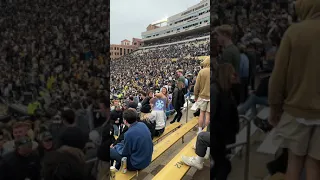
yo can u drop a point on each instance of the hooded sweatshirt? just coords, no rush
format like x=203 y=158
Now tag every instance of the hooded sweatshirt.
x=294 y=84
x=202 y=87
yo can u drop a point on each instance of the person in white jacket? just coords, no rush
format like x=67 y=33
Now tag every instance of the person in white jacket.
x=158 y=116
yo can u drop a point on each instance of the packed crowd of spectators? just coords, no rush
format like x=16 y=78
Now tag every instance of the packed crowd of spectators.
x=44 y=43
x=155 y=68
x=144 y=84
x=246 y=34
x=256 y=23
x=54 y=86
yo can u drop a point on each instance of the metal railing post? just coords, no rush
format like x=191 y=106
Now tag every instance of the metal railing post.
x=247 y=158
x=187 y=109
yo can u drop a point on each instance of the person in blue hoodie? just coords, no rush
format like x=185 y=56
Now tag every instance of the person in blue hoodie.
x=137 y=145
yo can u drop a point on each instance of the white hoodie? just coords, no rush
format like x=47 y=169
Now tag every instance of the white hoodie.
x=159 y=117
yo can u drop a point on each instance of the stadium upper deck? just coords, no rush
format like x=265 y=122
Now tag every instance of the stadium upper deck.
x=194 y=19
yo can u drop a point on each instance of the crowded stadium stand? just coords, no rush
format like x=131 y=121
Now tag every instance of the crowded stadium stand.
x=257 y=28
x=172 y=49
x=53 y=83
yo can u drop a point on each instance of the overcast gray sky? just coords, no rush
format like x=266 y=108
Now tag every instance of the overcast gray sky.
x=128 y=18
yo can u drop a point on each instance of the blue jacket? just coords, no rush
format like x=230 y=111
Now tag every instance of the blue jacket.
x=138 y=146
x=244 y=66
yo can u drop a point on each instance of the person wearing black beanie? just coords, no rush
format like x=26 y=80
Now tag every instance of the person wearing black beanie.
x=103 y=152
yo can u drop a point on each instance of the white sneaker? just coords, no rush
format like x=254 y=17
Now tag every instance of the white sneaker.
x=191 y=161
x=194 y=147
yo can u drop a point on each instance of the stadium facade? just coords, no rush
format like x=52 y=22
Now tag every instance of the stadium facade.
x=195 y=18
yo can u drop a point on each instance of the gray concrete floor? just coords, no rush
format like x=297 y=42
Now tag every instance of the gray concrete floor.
x=257 y=163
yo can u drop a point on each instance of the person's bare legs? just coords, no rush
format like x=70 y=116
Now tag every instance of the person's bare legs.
x=295 y=166
x=312 y=167
x=207 y=118
x=200 y=121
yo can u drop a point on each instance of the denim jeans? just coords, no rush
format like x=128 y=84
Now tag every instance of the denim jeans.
x=203 y=142
x=251 y=103
x=115 y=156
x=116 y=130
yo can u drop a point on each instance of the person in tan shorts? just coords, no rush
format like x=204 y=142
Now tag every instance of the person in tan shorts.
x=294 y=96
x=202 y=93
x=204 y=105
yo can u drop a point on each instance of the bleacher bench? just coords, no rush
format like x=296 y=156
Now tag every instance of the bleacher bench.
x=162 y=146
x=176 y=169
x=168 y=130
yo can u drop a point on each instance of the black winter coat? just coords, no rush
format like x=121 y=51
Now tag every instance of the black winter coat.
x=15 y=167
x=178 y=99
x=225 y=120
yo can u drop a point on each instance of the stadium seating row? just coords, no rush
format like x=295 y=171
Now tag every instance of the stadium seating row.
x=162 y=146
x=176 y=169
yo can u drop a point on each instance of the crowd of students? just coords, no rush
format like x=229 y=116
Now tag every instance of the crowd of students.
x=267 y=33
x=155 y=68
x=54 y=87
x=257 y=39
x=155 y=78
x=45 y=45
x=245 y=38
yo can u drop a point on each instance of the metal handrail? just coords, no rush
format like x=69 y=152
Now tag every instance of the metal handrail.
x=187 y=109
x=91 y=160
x=232 y=146
x=247 y=156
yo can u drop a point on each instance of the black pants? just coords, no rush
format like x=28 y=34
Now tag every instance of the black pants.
x=158 y=132
x=178 y=116
x=261 y=65
x=252 y=80
x=236 y=92
x=222 y=165
x=203 y=142
x=244 y=89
